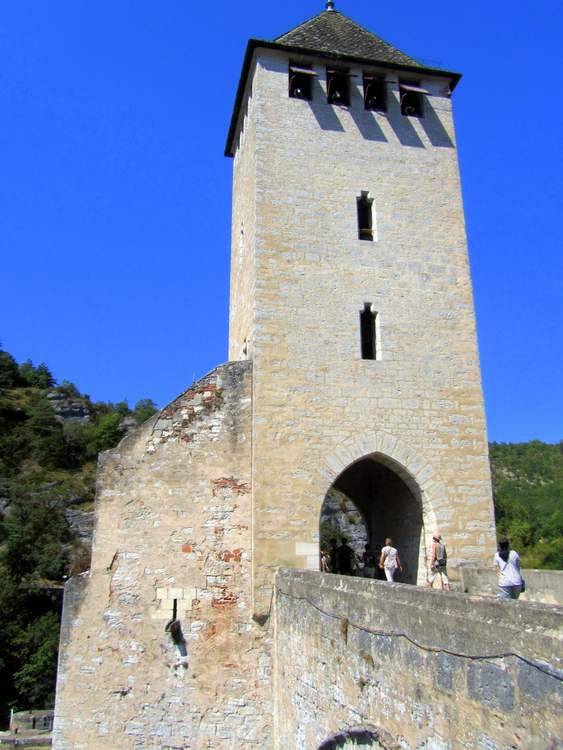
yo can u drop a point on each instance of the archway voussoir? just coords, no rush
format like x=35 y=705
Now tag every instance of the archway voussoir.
x=389 y=445
x=424 y=473
x=328 y=473
x=378 y=438
x=343 y=458
x=363 y=446
x=371 y=439
x=416 y=463
x=404 y=455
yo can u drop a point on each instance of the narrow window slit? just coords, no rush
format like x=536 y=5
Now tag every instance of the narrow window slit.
x=368 y=332
x=365 y=216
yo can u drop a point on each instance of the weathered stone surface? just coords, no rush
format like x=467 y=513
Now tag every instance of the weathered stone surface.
x=491 y=685
x=171 y=540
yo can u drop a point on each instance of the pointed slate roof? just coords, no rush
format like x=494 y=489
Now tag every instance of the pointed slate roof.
x=334 y=33
x=332 y=36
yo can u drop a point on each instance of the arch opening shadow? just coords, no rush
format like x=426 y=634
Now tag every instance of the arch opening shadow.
x=360 y=738
x=368 y=502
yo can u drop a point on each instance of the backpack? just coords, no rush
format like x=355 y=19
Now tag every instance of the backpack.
x=441 y=555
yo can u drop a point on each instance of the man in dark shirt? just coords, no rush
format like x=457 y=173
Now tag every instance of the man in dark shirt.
x=346 y=558
x=333 y=553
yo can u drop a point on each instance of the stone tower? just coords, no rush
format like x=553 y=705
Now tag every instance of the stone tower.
x=351 y=293
x=353 y=369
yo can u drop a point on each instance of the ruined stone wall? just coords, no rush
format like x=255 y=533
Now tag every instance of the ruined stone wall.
x=172 y=533
x=318 y=406
x=408 y=664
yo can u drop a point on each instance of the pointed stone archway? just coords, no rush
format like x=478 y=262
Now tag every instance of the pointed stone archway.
x=391 y=488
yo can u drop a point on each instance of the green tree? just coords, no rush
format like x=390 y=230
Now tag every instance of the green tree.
x=144 y=409
x=69 y=389
x=37 y=649
x=14 y=444
x=36 y=377
x=35 y=531
x=106 y=434
x=46 y=437
x=78 y=435
x=528 y=487
x=9 y=374
x=11 y=616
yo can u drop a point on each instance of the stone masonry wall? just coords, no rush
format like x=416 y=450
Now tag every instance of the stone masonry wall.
x=243 y=237
x=407 y=663
x=317 y=405
x=172 y=535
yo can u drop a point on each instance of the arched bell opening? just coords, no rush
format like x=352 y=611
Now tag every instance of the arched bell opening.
x=371 y=500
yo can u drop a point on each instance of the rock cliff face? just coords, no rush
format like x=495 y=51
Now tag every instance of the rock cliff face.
x=82 y=523
x=67 y=408
x=340 y=518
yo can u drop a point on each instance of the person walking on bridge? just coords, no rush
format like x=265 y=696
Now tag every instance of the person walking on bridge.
x=390 y=560
x=438 y=562
x=507 y=563
x=346 y=558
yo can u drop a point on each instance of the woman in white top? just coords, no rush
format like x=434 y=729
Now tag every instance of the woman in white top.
x=389 y=560
x=507 y=562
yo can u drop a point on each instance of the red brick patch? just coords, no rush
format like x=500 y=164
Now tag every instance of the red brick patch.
x=238 y=488
x=187 y=547
x=229 y=599
x=207 y=390
x=229 y=555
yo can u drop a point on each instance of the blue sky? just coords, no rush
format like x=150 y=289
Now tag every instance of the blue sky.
x=115 y=194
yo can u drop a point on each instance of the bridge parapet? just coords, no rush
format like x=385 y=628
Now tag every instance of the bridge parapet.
x=544 y=586
x=420 y=668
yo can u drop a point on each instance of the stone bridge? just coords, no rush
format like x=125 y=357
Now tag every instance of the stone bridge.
x=362 y=663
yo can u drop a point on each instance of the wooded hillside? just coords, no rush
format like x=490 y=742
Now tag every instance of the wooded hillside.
x=528 y=494
x=50 y=436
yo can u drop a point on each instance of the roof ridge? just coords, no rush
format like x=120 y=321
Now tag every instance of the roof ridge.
x=303 y=23
x=333 y=31
x=379 y=38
